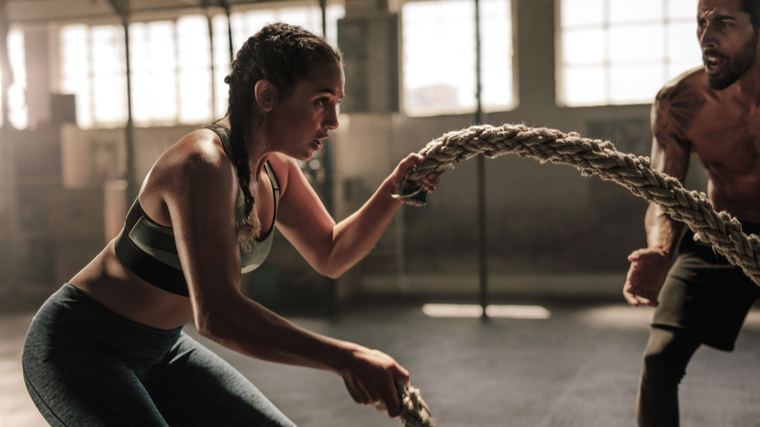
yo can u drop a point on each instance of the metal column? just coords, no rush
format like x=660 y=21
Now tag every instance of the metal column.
x=327 y=188
x=8 y=169
x=226 y=7
x=210 y=24
x=121 y=7
x=482 y=246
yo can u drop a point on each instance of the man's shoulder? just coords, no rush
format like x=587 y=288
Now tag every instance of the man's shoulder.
x=692 y=81
x=678 y=104
x=688 y=91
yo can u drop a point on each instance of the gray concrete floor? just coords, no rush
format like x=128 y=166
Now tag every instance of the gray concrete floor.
x=578 y=368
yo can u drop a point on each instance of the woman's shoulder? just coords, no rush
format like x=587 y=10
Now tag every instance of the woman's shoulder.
x=194 y=166
x=284 y=168
x=196 y=158
x=198 y=151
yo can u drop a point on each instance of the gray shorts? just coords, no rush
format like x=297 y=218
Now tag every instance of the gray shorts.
x=85 y=365
x=705 y=295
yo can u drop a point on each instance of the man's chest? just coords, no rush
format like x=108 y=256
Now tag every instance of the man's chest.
x=724 y=139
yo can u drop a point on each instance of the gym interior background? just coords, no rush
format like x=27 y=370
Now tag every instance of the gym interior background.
x=549 y=231
x=71 y=154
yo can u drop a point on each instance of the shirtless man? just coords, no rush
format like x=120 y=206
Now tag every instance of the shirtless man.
x=712 y=113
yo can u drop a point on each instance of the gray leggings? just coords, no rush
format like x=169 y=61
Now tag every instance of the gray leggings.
x=85 y=365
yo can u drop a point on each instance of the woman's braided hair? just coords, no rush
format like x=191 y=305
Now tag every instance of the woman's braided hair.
x=283 y=55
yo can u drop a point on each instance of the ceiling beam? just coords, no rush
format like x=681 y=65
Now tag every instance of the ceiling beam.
x=121 y=7
x=45 y=11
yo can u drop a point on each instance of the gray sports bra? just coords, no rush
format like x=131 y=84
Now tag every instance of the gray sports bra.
x=148 y=248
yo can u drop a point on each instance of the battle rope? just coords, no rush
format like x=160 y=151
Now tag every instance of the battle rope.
x=598 y=157
x=414 y=410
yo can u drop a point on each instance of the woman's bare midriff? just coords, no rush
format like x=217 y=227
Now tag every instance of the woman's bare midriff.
x=112 y=285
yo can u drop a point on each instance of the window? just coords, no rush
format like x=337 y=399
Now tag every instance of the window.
x=92 y=68
x=439 y=56
x=623 y=51
x=194 y=69
x=246 y=24
x=153 y=62
x=170 y=64
x=17 y=111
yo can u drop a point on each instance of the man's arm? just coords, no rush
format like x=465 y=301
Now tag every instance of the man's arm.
x=672 y=114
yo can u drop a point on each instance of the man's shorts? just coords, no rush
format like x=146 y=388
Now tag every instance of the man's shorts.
x=706 y=295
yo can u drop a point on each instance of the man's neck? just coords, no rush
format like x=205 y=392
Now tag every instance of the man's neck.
x=746 y=90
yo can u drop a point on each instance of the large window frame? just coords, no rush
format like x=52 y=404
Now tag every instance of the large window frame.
x=442 y=92
x=164 y=96
x=609 y=78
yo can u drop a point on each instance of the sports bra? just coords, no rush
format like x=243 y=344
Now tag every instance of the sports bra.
x=148 y=249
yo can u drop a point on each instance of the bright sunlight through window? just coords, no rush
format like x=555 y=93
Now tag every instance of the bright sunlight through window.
x=92 y=68
x=18 y=113
x=153 y=60
x=623 y=51
x=439 y=56
x=171 y=65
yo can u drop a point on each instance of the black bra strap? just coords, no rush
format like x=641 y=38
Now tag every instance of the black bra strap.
x=224 y=136
x=143 y=265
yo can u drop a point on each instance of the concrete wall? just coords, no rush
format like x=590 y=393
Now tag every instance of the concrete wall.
x=551 y=232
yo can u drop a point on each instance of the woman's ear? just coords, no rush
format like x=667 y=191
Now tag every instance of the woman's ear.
x=265 y=93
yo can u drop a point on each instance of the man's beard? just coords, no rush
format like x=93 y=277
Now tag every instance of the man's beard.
x=735 y=67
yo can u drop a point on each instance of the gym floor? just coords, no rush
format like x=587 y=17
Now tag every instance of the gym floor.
x=579 y=367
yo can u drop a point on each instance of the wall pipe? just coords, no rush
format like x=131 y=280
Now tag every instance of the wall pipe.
x=482 y=243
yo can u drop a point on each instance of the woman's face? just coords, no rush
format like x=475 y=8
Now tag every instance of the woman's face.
x=301 y=120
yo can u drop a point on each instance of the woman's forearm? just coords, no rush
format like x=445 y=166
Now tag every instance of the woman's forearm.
x=354 y=237
x=245 y=326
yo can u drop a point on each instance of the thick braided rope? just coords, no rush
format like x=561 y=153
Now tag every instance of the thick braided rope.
x=594 y=157
x=414 y=410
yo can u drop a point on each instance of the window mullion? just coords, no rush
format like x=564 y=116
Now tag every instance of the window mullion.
x=177 y=85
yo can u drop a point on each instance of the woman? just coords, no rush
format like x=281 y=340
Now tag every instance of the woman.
x=107 y=348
